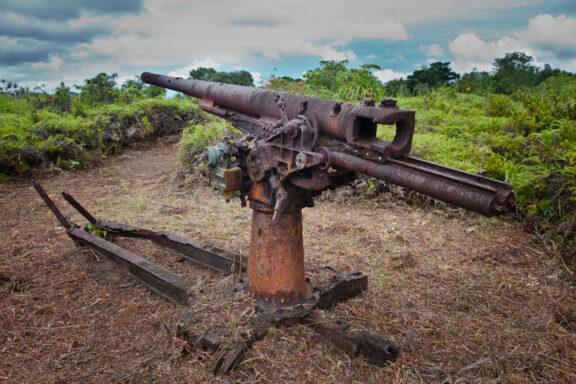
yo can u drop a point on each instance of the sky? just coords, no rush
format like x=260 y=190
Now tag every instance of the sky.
x=44 y=42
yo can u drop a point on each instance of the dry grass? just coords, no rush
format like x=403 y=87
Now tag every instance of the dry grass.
x=469 y=299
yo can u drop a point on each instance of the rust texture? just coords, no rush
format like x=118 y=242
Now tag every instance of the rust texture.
x=66 y=223
x=287 y=130
x=83 y=211
x=276 y=261
x=160 y=280
x=349 y=122
x=341 y=288
x=211 y=257
x=473 y=192
x=354 y=341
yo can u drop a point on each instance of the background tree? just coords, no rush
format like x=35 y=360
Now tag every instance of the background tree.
x=210 y=74
x=328 y=77
x=285 y=84
x=396 y=88
x=62 y=100
x=100 y=89
x=361 y=83
x=8 y=88
x=475 y=82
x=334 y=80
x=131 y=90
x=514 y=71
x=429 y=78
x=152 y=91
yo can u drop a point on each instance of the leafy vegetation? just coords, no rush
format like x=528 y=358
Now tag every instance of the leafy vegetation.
x=210 y=74
x=46 y=132
x=199 y=135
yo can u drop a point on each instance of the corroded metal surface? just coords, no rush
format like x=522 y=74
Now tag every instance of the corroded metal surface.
x=356 y=342
x=297 y=138
x=341 y=288
x=276 y=261
x=473 y=192
x=160 y=280
x=350 y=122
x=211 y=257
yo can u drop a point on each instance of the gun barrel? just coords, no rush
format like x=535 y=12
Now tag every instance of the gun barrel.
x=467 y=190
x=353 y=123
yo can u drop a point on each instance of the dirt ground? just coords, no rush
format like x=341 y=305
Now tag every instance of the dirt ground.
x=467 y=298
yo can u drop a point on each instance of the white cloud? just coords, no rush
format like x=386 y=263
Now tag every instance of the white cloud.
x=432 y=50
x=232 y=32
x=179 y=35
x=80 y=54
x=53 y=65
x=329 y=53
x=472 y=52
x=271 y=54
x=185 y=71
x=545 y=28
x=387 y=74
x=543 y=36
x=122 y=79
x=258 y=79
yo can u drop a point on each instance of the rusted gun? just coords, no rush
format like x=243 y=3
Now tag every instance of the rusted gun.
x=297 y=146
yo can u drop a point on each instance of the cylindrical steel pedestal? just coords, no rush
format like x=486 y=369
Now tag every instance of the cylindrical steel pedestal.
x=276 y=262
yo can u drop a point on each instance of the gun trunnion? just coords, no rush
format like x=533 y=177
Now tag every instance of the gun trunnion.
x=298 y=146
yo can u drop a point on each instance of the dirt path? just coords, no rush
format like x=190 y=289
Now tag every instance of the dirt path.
x=469 y=299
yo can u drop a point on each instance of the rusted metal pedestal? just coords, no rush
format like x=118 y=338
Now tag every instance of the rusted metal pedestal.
x=276 y=262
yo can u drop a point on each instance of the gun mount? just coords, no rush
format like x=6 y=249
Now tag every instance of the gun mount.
x=297 y=146
x=294 y=148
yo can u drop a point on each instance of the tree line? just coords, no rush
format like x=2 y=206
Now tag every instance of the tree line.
x=333 y=79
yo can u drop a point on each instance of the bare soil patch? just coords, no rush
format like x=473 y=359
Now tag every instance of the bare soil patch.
x=469 y=299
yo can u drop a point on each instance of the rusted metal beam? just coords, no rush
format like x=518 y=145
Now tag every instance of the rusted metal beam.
x=341 y=288
x=354 y=341
x=83 y=211
x=212 y=257
x=198 y=340
x=160 y=280
x=474 y=192
x=342 y=334
x=231 y=355
x=65 y=221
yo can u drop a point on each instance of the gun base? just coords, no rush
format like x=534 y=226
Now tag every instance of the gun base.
x=276 y=262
